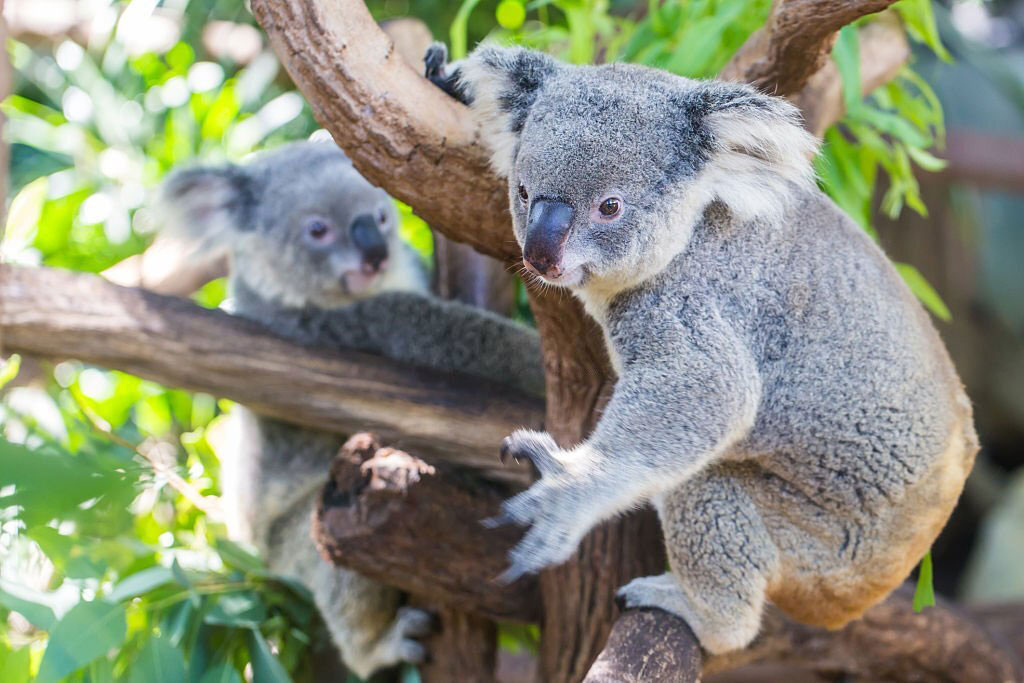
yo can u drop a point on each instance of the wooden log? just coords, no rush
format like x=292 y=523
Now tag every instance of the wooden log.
x=889 y=643
x=57 y=314
x=394 y=518
x=464 y=648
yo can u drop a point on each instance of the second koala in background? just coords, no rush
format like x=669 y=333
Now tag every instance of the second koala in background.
x=316 y=257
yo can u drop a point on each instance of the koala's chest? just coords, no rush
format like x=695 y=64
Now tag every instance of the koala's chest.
x=597 y=308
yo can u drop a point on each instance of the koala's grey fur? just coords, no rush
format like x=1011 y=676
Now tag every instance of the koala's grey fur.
x=783 y=399
x=272 y=470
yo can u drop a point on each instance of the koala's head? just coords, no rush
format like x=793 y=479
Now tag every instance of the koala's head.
x=302 y=226
x=609 y=167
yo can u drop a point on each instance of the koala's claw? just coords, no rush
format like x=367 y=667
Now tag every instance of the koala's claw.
x=537 y=447
x=499 y=520
x=435 y=60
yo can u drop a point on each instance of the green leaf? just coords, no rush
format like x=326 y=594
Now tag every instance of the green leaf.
x=222 y=672
x=89 y=630
x=15 y=665
x=157 y=662
x=234 y=555
x=28 y=603
x=924 y=594
x=265 y=666
x=924 y=291
x=846 y=54
x=919 y=19
x=237 y=609
x=140 y=582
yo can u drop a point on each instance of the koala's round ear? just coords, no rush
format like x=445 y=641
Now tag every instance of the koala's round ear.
x=501 y=85
x=758 y=146
x=208 y=203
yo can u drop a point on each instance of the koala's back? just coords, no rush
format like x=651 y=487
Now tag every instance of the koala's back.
x=864 y=436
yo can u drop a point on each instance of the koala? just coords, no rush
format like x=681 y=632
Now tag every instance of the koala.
x=782 y=399
x=316 y=257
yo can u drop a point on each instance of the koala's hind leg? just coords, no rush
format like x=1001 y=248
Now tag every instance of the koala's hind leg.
x=363 y=616
x=721 y=559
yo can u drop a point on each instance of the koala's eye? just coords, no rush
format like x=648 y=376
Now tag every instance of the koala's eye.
x=523 y=194
x=382 y=216
x=318 y=231
x=610 y=207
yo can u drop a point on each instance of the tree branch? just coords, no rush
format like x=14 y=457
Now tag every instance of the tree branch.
x=401 y=132
x=394 y=518
x=795 y=43
x=57 y=314
x=883 y=52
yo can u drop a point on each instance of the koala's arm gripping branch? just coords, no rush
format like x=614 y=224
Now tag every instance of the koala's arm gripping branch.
x=57 y=314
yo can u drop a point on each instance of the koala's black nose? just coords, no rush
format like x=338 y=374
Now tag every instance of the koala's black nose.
x=369 y=241
x=546 y=232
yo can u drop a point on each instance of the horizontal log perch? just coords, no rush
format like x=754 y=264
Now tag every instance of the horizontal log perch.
x=394 y=518
x=58 y=314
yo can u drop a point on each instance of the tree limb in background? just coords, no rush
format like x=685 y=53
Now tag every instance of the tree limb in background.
x=795 y=43
x=57 y=314
x=883 y=52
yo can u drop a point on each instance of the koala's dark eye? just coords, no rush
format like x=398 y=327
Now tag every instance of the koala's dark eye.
x=318 y=232
x=382 y=216
x=523 y=194
x=610 y=207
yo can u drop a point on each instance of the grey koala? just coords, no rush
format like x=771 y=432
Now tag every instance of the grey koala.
x=783 y=399
x=316 y=257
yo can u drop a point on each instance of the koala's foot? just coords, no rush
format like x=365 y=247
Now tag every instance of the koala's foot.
x=445 y=76
x=559 y=508
x=717 y=632
x=400 y=642
x=397 y=645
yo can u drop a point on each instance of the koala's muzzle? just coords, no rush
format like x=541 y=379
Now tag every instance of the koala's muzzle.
x=547 y=229
x=367 y=238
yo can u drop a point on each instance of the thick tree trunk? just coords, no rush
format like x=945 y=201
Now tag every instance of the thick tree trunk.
x=578 y=596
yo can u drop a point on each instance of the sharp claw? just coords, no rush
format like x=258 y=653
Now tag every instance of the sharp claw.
x=506 y=451
x=498 y=520
x=510 y=575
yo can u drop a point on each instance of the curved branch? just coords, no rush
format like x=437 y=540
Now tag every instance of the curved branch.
x=401 y=132
x=57 y=314
x=795 y=43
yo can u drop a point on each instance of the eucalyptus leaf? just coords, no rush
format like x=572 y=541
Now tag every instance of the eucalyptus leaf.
x=266 y=668
x=29 y=603
x=89 y=630
x=141 y=582
x=159 y=661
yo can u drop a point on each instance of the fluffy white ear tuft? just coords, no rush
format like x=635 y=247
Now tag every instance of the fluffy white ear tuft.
x=208 y=205
x=501 y=85
x=760 y=150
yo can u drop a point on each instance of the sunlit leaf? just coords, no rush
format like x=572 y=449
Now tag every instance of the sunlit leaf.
x=924 y=593
x=924 y=291
x=265 y=666
x=28 y=603
x=89 y=630
x=140 y=582
x=159 y=661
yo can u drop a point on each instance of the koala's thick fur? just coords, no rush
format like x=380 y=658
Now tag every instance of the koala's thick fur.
x=316 y=257
x=783 y=399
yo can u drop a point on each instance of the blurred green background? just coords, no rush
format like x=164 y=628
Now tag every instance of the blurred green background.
x=113 y=565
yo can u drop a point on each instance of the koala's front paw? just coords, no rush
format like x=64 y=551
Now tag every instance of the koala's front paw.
x=401 y=640
x=556 y=507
